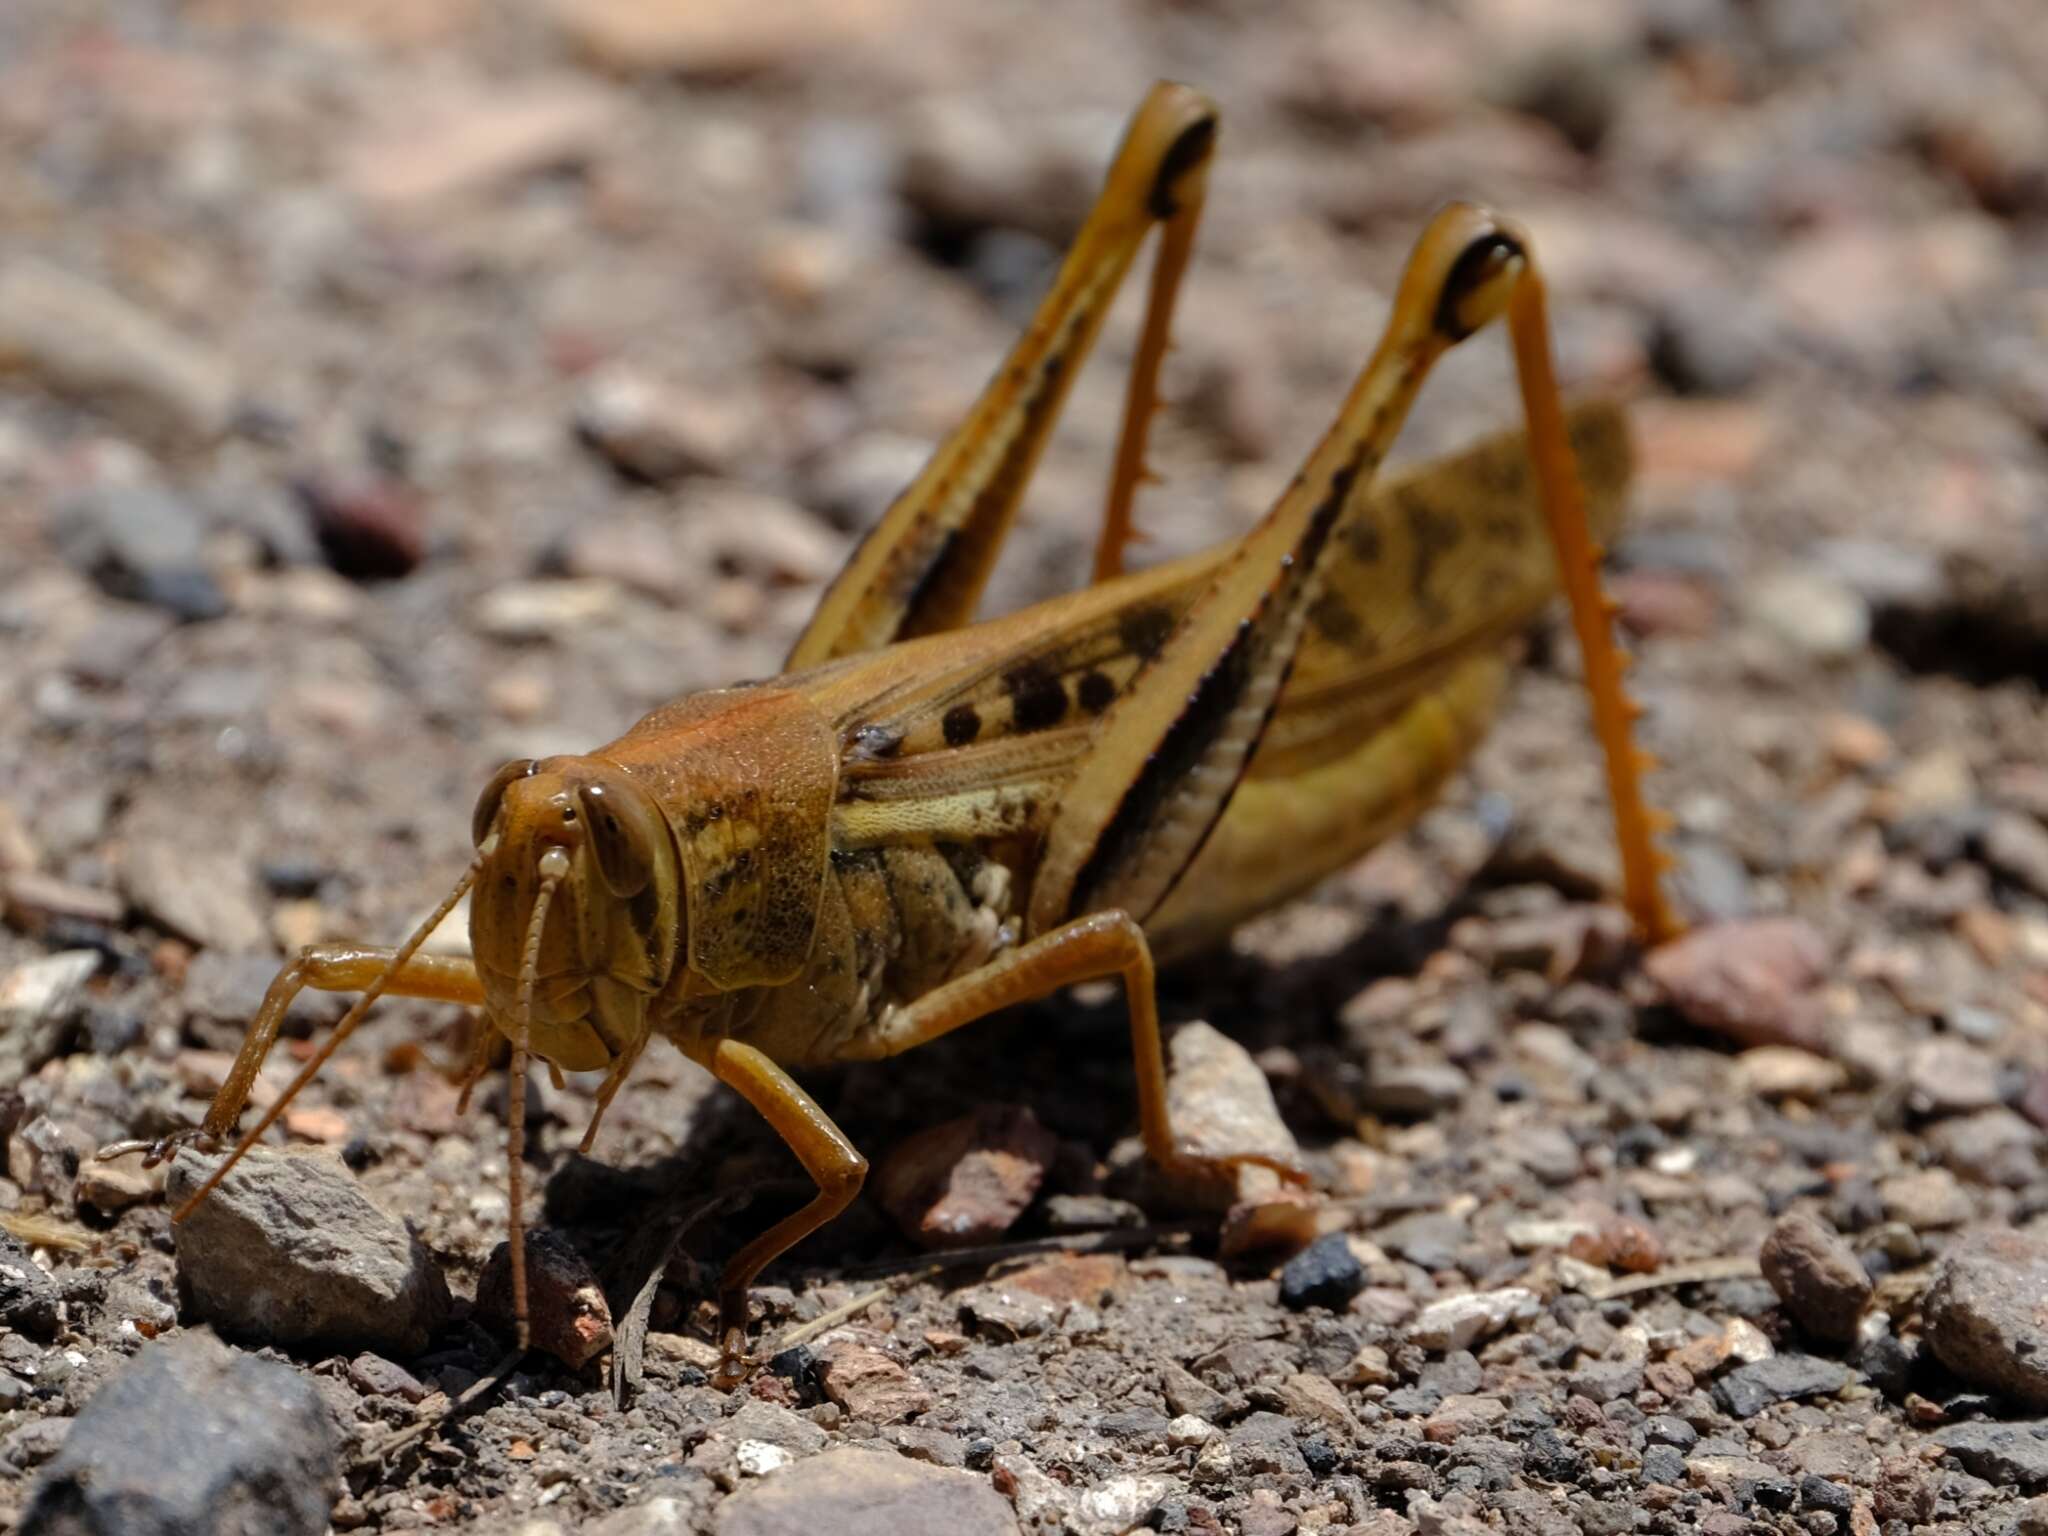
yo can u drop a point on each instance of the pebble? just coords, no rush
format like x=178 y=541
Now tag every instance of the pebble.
x=1324 y=1274
x=201 y=894
x=1787 y=1072
x=289 y=1250
x=2016 y=846
x=851 y=1492
x=1221 y=1104
x=871 y=1385
x=1708 y=342
x=141 y=543
x=86 y=343
x=1749 y=1389
x=1755 y=981
x=544 y=610
x=1462 y=1414
x=1993 y=1146
x=39 y=1009
x=1817 y=1277
x=1986 y=1314
x=112 y=1184
x=1810 y=612
x=566 y=1310
x=2006 y=1455
x=29 y=1299
x=1950 y=1077
x=968 y=1180
x=429 y=151
x=369 y=529
x=1927 y=1199
x=193 y=1439
x=717 y=39
x=1459 y=1322
x=649 y=431
x=1413 y=1089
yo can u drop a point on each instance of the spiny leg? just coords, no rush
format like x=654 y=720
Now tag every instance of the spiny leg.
x=1087 y=949
x=828 y=1157
x=922 y=568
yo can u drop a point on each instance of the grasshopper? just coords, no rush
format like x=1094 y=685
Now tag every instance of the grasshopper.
x=925 y=819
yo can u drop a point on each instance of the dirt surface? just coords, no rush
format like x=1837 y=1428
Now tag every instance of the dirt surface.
x=391 y=389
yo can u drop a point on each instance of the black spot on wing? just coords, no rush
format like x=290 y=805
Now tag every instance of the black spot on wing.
x=962 y=723
x=1037 y=699
x=1143 y=631
x=1096 y=691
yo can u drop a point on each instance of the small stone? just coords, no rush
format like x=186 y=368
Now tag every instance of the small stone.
x=566 y=1310
x=381 y=1378
x=1414 y=1089
x=1755 y=981
x=140 y=543
x=84 y=342
x=719 y=39
x=544 y=610
x=851 y=1492
x=38 y=1009
x=1927 y=1200
x=1950 y=1077
x=424 y=154
x=1993 y=1146
x=1664 y=1464
x=968 y=1180
x=2006 y=1455
x=1986 y=1314
x=28 y=1296
x=2016 y=846
x=289 y=1250
x=193 y=1438
x=1221 y=1104
x=869 y=1384
x=112 y=1184
x=369 y=529
x=651 y=432
x=1458 y=1322
x=1462 y=1414
x=1749 y=1389
x=1324 y=1274
x=44 y=1157
x=1810 y=612
x=1817 y=1276
x=204 y=895
x=1787 y=1072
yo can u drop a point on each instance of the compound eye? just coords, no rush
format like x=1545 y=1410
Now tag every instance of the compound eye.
x=493 y=796
x=622 y=836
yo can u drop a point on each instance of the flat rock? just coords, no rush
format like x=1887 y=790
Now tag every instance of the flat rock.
x=38 y=1008
x=967 y=1181
x=289 y=1250
x=1986 y=1314
x=1749 y=1389
x=870 y=1384
x=1754 y=981
x=1458 y=1322
x=851 y=1492
x=1817 y=1277
x=88 y=343
x=2010 y=1455
x=193 y=1439
x=198 y=894
x=1950 y=1077
x=141 y=543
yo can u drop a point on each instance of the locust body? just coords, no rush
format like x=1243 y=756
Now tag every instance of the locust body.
x=926 y=818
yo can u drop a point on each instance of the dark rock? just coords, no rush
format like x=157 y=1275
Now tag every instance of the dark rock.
x=968 y=1180
x=1324 y=1274
x=1819 y=1493
x=28 y=1296
x=1606 y=1381
x=853 y=1492
x=289 y=1250
x=1547 y=1455
x=1426 y=1238
x=193 y=1440
x=1749 y=1389
x=1708 y=343
x=1888 y=1363
x=2011 y=1455
x=141 y=543
x=1669 y=1429
x=368 y=529
x=1986 y=1314
x=566 y=1309
x=1264 y=1443
x=1817 y=1276
x=1664 y=1464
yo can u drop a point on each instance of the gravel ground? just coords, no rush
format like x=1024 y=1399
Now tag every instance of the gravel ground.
x=389 y=389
